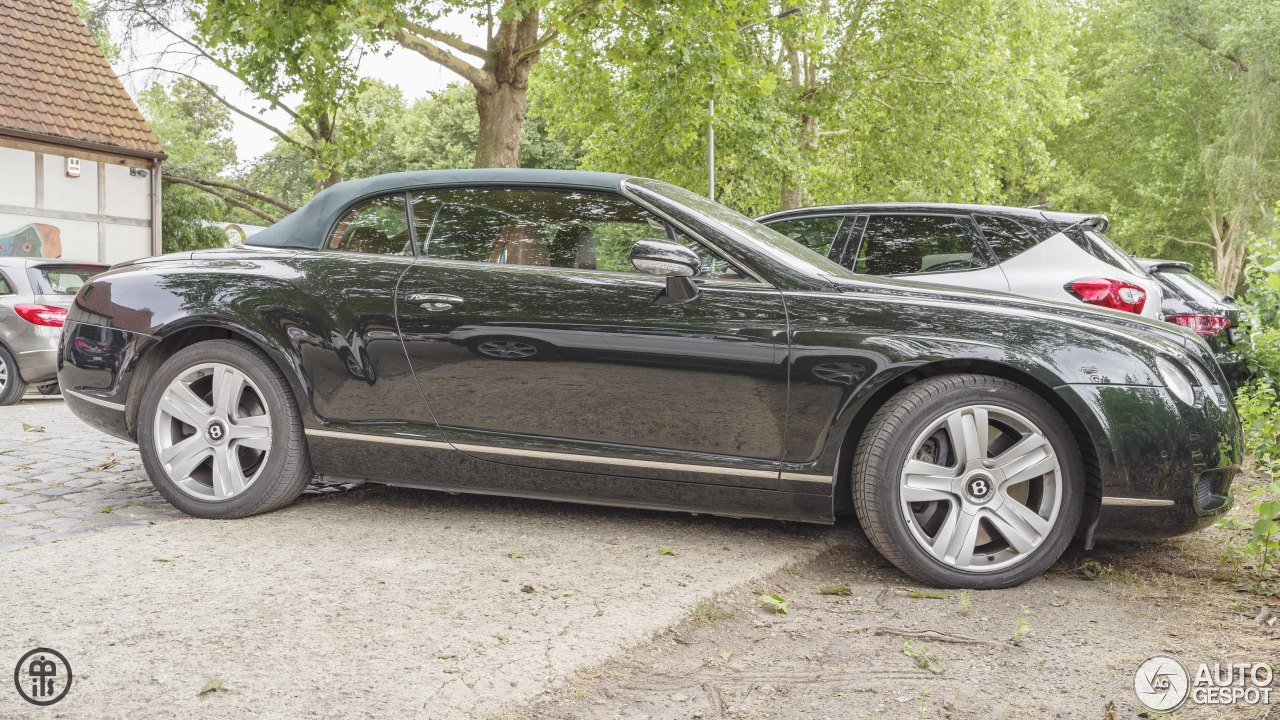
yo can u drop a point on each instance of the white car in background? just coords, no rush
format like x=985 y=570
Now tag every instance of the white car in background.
x=1053 y=255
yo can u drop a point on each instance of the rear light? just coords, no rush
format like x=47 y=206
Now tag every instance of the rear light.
x=1206 y=325
x=1114 y=294
x=46 y=315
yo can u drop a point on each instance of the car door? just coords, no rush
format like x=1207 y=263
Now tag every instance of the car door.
x=535 y=342
x=925 y=247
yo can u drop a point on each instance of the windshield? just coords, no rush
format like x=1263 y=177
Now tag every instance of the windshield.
x=1192 y=286
x=61 y=279
x=777 y=245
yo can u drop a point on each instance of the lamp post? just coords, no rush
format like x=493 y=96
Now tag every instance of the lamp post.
x=711 y=108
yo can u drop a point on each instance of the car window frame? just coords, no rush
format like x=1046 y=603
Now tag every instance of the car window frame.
x=8 y=288
x=347 y=208
x=839 y=238
x=977 y=244
x=671 y=227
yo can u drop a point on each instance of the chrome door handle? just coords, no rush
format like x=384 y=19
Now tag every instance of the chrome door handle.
x=433 y=301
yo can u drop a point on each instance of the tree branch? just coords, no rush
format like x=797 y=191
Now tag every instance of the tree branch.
x=1186 y=242
x=251 y=193
x=554 y=31
x=444 y=38
x=472 y=74
x=179 y=180
x=274 y=101
x=242 y=113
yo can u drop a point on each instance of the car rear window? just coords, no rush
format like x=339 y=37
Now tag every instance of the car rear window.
x=1101 y=247
x=1008 y=237
x=906 y=244
x=815 y=233
x=1189 y=286
x=61 y=279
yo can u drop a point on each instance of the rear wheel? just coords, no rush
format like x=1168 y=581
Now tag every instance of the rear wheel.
x=220 y=434
x=968 y=481
x=12 y=386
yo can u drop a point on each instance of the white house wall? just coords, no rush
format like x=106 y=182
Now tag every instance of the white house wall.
x=104 y=215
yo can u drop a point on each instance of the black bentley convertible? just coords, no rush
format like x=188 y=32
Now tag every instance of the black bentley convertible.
x=610 y=339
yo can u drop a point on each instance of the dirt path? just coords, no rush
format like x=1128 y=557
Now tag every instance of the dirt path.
x=1079 y=642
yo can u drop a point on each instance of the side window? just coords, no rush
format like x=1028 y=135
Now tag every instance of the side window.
x=551 y=228
x=1006 y=236
x=905 y=244
x=379 y=227
x=4 y=287
x=815 y=233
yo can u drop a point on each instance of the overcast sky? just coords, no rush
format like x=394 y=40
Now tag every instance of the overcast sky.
x=415 y=75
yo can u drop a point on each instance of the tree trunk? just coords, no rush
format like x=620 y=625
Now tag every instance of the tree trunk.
x=792 y=197
x=501 y=119
x=792 y=194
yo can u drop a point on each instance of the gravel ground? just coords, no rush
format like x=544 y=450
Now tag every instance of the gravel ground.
x=410 y=604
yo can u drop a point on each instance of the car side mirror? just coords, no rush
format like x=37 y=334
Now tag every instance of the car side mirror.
x=674 y=262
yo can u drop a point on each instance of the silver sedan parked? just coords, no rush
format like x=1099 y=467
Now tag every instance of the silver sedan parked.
x=34 y=296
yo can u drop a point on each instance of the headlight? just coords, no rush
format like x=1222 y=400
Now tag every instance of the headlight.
x=1176 y=380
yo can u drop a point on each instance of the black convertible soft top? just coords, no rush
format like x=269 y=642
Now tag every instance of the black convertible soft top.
x=305 y=227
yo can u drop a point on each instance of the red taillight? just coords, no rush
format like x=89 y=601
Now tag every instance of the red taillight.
x=1115 y=294
x=1206 y=325
x=46 y=315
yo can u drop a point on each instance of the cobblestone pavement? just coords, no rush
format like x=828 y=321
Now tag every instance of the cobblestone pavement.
x=59 y=477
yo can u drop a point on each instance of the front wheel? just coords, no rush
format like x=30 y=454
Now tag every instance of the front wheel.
x=220 y=434
x=968 y=481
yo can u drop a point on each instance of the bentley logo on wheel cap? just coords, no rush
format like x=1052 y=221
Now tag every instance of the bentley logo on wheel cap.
x=216 y=431
x=979 y=488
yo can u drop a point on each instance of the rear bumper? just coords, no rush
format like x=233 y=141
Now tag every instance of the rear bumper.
x=1164 y=468
x=39 y=365
x=95 y=364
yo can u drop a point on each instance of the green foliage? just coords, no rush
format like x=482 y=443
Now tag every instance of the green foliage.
x=903 y=101
x=1179 y=145
x=195 y=130
x=95 y=18
x=921 y=657
x=774 y=603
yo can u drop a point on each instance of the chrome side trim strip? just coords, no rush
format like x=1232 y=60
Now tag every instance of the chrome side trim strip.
x=114 y=406
x=1136 y=502
x=574 y=457
x=379 y=438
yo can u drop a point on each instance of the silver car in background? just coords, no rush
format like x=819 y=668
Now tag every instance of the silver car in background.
x=1027 y=251
x=34 y=296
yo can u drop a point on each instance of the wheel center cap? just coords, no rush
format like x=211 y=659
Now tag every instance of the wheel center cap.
x=216 y=431
x=979 y=488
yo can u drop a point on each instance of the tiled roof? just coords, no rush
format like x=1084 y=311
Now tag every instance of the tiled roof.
x=54 y=80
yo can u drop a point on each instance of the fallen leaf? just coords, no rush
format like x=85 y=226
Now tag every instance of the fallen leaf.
x=110 y=463
x=105 y=509
x=1273 y=600
x=214 y=685
x=927 y=595
x=724 y=654
x=569 y=593
x=165 y=558
x=664 y=550
x=840 y=589
x=515 y=556
x=447 y=657
x=32 y=428
x=774 y=603
x=526 y=589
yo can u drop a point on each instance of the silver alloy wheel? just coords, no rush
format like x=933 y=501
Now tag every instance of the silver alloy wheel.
x=981 y=488
x=212 y=431
x=4 y=374
x=507 y=349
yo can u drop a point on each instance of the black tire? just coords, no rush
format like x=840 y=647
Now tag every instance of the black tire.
x=14 y=386
x=285 y=472
x=48 y=389
x=882 y=454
